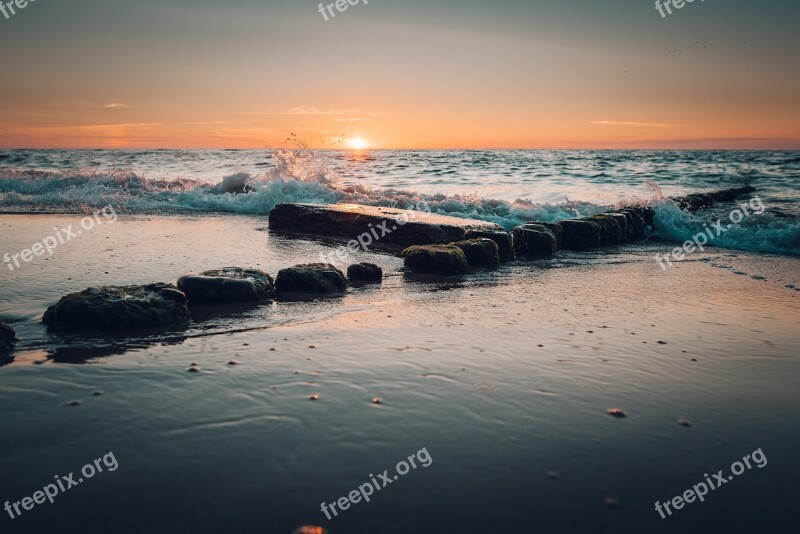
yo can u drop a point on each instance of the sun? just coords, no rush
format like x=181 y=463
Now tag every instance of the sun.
x=357 y=143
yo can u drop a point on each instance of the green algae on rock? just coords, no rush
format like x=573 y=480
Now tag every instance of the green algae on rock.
x=113 y=308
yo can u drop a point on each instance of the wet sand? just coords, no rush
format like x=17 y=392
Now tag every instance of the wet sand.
x=503 y=377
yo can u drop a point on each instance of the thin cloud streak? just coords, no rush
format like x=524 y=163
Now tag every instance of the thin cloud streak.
x=303 y=110
x=637 y=124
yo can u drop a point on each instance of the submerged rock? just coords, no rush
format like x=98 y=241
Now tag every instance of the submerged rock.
x=505 y=246
x=622 y=221
x=580 y=234
x=631 y=228
x=480 y=252
x=372 y=226
x=113 y=308
x=227 y=285
x=7 y=338
x=698 y=201
x=647 y=214
x=610 y=230
x=436 y=259
x=534 y=241
x=555 y=228
x=636 y=223
x=310 y=279
x=364 y=272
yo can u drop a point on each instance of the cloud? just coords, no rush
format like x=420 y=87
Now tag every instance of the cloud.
x=93 y=126
x=115 y=105
x=638 y=124
x=305 y=110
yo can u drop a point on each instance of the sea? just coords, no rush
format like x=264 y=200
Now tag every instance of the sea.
x=506 y=187
x=564 y=395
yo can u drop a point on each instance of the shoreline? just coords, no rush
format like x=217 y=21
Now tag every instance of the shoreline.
x=510 y=372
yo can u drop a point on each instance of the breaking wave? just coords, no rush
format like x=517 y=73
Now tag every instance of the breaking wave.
x=301 y=175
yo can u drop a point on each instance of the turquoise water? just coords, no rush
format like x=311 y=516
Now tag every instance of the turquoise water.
x=506 y=187
x=503 y=377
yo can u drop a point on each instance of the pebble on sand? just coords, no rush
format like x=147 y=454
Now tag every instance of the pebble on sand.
x=616 y=412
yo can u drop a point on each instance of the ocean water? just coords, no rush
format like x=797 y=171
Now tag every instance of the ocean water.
x=503 y=377
x=506 y=187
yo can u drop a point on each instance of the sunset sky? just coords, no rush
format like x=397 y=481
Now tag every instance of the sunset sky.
x=401 y=74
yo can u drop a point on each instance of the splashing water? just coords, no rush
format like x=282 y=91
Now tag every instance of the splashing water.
x=505 y=187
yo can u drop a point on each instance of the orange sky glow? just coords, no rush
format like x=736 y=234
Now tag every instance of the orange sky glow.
x=417 y=75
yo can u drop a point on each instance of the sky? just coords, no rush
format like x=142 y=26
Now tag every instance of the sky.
x=400 y=74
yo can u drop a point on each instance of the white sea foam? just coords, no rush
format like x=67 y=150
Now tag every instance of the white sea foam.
x=49 y=181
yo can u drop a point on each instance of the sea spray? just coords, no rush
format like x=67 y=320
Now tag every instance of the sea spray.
x=564 y=184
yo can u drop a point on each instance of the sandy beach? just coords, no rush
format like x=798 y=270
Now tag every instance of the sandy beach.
x=418 y=267
x=504 y=377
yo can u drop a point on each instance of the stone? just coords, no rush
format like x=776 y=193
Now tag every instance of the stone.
x=481 y=253
x=374 y=226
x=631 y=233
x=436 y=259
x=636 y=223
x=117 y=308
x=534 y=241
x=610 y=231
x=8 y=338
x=227 y=285
x=505 y=245
x=698 y=201
x=310 y=279
x=647 y=214
x=553 y=227
x=622 y=221
x=580 y=234
x=365 y=272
